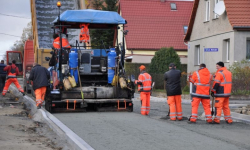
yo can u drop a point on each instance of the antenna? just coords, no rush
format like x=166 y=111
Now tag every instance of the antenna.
x=219 y=8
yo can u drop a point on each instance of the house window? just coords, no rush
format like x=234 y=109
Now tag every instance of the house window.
x=207 y=17
x=185 y=29
x=226 y=51
x=173 y=6
x=248 y=50
x=197 y=55
x=215 y=15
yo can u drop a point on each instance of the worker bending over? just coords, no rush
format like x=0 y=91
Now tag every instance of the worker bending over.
x=173 y=88
x=144 y=86
x=200 y=93
x=222 y=91
x=12 y=72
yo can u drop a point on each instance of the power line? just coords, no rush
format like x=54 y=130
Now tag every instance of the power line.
x=10 y=35
x=14 y=16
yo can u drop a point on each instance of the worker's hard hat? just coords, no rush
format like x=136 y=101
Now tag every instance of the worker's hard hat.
x=142 y=67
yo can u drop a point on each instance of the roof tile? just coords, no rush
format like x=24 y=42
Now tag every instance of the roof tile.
x=153 y=25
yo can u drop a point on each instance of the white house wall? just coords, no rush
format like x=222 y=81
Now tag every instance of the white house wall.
x=210 y=34
x=210 y=58
x=241 y=38
x=202 y=28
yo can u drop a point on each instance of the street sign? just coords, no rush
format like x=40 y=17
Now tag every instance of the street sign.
x=211 y=49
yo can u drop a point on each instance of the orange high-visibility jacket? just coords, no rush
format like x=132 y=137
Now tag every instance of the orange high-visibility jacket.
x=201 y=80
x=12 y=71
x=222 y=83
x=65 y=43
x=84 y=35
x=144 y=82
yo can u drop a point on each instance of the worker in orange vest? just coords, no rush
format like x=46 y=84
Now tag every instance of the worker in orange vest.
x=56 y=42
x=84 y=34
x=222 y=91
x=200 y=93
x=12 y=72
x=40 y=76
x=173 y=88
x=144 y=86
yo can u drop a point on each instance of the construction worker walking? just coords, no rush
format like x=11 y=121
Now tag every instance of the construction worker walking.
x=222 y=91
x=40 y=76
x=173 y=88
x=12 y=72
x=144 y=86
x=2 y=75
x=200 y=93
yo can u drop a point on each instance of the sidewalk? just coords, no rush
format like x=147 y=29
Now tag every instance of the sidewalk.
x=18 y=131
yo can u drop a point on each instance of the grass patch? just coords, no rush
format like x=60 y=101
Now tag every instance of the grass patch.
x=241 y=92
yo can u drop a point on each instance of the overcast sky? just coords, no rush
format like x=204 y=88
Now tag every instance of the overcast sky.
x=12 y=25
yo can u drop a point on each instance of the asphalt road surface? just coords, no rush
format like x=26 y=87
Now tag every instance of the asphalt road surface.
x=130 y=130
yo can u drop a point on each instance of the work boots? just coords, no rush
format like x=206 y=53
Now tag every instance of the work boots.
x=39 y=106
x=216 y=121
x=191 y=120
x=229 y=121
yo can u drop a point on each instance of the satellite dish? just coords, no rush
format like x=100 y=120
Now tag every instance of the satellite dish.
x=219 y=8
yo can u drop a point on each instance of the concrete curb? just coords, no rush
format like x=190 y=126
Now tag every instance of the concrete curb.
x=241 y=117
x=56 y=125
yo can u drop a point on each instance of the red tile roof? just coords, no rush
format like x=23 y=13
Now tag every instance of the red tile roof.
x=238 y=12
x=153 y=25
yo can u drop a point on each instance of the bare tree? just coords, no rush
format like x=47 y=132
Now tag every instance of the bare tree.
x=27 y=34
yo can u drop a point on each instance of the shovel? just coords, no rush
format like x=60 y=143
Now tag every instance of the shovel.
x=83 y=103
x=212 y=112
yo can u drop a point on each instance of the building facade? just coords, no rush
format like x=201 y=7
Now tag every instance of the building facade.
x=212 y=38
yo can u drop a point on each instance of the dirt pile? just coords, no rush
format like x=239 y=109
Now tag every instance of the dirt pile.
x=19 y=132
x=243 y=110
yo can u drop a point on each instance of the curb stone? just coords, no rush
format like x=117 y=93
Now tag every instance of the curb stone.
x=56 y=125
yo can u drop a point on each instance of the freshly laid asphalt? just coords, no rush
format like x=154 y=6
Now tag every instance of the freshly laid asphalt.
x=130 y=130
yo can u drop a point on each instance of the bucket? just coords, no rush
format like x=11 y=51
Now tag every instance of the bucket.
x=72 y=81
x=67 y=85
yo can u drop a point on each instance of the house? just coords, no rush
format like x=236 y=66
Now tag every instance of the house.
x=212 y=37
x=153 y=24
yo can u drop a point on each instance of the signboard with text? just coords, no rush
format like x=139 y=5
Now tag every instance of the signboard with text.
x=211 y=49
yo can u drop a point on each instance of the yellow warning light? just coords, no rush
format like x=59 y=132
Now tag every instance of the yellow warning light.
x=58 y=4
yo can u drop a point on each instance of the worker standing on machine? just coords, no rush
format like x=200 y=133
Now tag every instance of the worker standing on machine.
x=56 y=42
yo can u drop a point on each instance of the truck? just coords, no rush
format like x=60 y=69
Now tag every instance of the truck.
x=27 y=66
x=24 y=63
x=102 y=81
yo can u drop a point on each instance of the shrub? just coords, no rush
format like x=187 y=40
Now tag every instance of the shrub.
x=162 y=58
x=240 y=77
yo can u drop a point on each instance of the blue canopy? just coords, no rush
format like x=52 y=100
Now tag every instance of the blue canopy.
x=91 y=16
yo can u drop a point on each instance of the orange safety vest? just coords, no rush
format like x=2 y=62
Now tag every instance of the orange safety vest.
x=222 y=83
x=201 y=83
x=84 y=35
x=144 y=82
x=65 y=43
x=12 y=73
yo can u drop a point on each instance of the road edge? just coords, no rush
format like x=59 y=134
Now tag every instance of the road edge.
x=56 y=125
